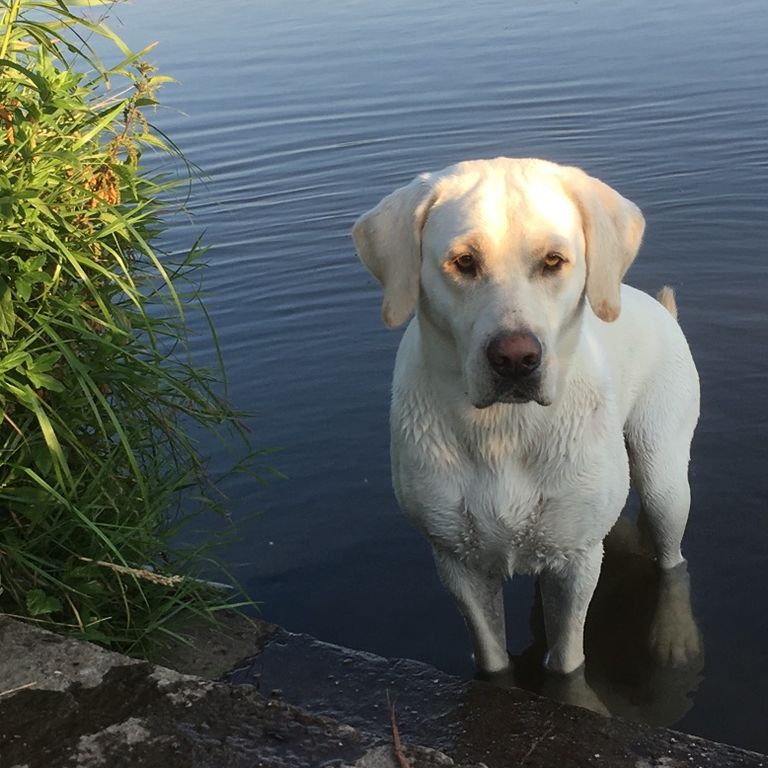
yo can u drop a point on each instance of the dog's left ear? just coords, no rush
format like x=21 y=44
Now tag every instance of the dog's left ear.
x=613 y=229
x=388 y=241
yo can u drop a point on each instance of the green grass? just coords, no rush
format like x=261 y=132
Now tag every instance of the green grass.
x=98 y=395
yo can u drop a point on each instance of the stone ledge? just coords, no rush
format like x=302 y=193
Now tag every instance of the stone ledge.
x=296 y=702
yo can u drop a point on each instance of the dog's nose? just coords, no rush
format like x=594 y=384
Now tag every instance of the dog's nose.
x=514 y=355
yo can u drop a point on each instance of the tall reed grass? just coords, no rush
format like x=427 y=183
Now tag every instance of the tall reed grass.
x=98 y=394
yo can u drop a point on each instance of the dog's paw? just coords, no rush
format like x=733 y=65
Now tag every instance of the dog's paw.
x=504 y=678
x=675 y=638
x=573 y=688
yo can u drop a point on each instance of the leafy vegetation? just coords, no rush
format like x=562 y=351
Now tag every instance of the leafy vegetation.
x=98 y=396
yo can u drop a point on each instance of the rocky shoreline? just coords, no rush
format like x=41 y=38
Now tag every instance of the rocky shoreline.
x=251 y=694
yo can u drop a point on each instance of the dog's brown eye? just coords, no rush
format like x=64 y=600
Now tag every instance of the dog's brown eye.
x=553 y=261
x=466 y=264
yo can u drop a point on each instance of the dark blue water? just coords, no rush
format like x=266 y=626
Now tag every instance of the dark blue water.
x=304 y=114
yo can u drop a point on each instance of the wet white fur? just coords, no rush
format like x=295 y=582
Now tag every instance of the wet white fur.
x=535 y=487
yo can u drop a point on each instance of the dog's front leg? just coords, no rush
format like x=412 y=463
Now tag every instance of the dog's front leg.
x=481 y=601
x=566 y=593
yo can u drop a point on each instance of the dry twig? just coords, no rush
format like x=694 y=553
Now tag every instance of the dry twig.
x=397 y=745
x=18 y=688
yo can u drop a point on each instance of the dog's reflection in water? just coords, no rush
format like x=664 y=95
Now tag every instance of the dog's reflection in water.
x=645 y=653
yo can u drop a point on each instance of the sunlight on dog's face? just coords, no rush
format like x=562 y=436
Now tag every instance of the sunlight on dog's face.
x=503 y=275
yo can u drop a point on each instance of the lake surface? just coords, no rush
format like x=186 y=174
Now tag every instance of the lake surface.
x=305 y=114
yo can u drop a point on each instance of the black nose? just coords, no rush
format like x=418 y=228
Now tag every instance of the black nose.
x=514 y=355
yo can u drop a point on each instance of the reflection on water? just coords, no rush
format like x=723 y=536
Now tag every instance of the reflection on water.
x=644 y=648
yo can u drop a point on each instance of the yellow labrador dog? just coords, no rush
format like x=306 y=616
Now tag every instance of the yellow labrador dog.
x=530 y=386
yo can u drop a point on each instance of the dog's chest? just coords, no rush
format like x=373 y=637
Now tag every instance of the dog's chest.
x=515 y=494
x=529 y=509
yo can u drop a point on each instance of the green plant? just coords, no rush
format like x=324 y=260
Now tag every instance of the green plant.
x=98 y=396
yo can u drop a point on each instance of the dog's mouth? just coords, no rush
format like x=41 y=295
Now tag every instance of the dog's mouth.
x=513 y=397
x=518 y=393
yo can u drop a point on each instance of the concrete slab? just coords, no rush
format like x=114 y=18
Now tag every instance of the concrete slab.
x=297 y=702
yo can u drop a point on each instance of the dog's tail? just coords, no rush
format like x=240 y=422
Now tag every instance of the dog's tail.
x=666 y=297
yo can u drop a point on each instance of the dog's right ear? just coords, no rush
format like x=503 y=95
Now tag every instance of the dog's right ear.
x=388 y=241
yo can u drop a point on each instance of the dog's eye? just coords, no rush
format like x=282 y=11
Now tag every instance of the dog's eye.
x=553 y=261
x=466 y=264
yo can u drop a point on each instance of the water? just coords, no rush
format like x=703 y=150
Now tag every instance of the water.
x=304 y=114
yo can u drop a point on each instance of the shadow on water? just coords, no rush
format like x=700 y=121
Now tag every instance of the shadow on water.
x=644 y=648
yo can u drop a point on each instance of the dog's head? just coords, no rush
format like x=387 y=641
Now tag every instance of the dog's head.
x=499 y=256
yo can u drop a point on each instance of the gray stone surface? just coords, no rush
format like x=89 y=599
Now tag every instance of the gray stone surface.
x=297 y=702
x=133 y=719
x=67 y=704
x=30 y=656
